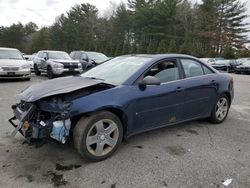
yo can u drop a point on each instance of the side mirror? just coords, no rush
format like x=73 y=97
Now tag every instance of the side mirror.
x=148 y=80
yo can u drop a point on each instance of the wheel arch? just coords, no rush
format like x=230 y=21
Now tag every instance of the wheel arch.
x=228 y=96
x=115 y=110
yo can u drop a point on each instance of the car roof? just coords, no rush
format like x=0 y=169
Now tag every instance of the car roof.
x=52 y=51
x=3 y=48
x=86 y=51
x=161 y=56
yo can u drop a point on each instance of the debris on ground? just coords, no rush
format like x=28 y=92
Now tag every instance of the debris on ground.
x=60 y=167
x=227 y=182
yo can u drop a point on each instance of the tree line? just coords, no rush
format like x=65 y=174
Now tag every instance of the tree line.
x=212 y=28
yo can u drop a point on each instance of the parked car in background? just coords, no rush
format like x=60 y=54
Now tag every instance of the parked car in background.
x=89 y=59
x=242 y=60
x=13 y=64
x=228 y=65
x=56 y=63
x=208 y=60
x=243 y=68
x=120 y=98
x=29 y=59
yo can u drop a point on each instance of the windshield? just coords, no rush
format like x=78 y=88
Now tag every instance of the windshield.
x=10 y=54
x=247 y=63
x=59 y=55
x=97 y=57
x=117 y=70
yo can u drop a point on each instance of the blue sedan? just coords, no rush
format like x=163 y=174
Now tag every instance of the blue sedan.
x=123 y=97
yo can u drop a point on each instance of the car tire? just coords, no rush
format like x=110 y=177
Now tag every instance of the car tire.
x=27 y=79
x=220 y=110
x=50 y=73
x=36 y=70
x=97 y=136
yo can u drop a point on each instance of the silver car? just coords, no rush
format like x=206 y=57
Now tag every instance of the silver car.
x=56 y=63
x=13 y=65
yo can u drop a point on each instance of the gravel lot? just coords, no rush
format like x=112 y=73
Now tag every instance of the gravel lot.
x=194 y=154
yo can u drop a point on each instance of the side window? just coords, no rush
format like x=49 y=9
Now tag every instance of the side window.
x=45 y=56
x=40 y=54
x=207 y=70
x=165 y=71
x=192 y=68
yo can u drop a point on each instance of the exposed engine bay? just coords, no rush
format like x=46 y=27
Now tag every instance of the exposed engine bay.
x=37 y=124
x=49 y=116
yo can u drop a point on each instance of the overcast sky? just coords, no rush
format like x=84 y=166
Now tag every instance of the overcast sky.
x=44 y=12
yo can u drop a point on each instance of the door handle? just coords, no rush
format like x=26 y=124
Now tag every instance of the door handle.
x=179 y=89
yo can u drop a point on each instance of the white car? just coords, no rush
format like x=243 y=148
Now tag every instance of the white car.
x=208 y=60
x=13 y=65
x=29 y=59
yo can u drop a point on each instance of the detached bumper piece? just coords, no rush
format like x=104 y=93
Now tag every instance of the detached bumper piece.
x=17 y=127
x=23 y=118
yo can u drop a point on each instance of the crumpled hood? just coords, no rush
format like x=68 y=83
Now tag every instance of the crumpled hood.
x=64 y=61
x=55 y=87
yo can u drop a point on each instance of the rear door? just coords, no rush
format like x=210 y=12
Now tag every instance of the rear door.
x=201 y=89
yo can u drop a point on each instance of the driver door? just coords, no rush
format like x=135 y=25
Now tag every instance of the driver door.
x=44 y=59
x=162 y=104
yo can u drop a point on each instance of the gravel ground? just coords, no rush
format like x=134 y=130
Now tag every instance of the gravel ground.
x=193 y=154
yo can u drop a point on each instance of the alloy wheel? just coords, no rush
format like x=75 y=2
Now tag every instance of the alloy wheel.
x=221 y=108
x=102 y=137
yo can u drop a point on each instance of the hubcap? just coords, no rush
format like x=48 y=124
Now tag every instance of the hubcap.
x=221 y=108
x=102 y=137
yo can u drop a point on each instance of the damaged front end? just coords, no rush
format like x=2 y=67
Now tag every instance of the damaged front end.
x=41 y=120
x=45 y=109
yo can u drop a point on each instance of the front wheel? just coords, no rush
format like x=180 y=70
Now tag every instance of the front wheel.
x=50 y=73
x=97 y=137
x=220 y=110
x=36 y=70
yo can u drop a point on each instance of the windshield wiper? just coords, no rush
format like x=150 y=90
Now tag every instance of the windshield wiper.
x=94 y=78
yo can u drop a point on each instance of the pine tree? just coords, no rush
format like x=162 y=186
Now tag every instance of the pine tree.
x=172 y=47
x=228 y=53
x=162 y=48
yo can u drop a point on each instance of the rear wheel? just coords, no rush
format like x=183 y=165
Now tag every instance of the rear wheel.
x=220 y=110
x=50 y=73
x=36 y=70
x=98 y=136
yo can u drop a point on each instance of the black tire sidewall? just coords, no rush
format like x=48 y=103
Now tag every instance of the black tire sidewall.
x=92 y=119
x=37 y=72
x=50 y=74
